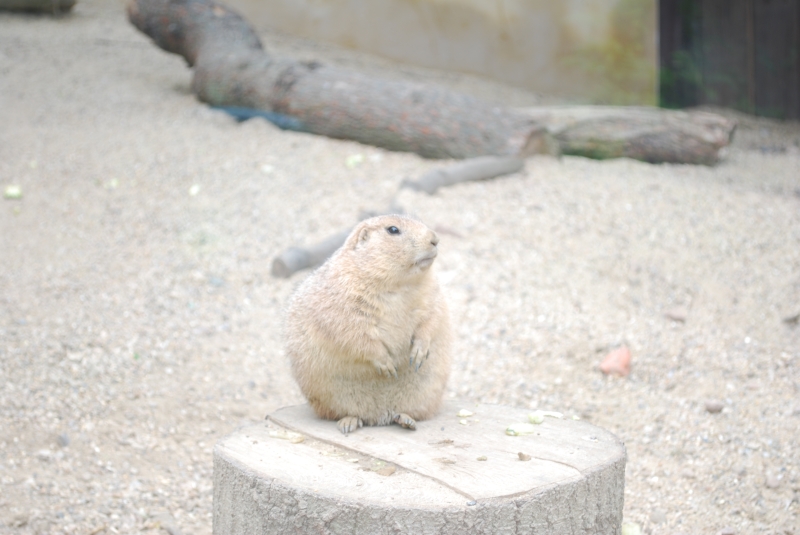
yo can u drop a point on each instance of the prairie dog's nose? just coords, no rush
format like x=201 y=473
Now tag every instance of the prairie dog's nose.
x=434 y=239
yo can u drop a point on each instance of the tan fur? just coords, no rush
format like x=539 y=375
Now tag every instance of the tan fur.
x=368 y=334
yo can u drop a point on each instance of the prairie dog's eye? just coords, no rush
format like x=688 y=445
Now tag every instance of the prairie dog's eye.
x=393 y=230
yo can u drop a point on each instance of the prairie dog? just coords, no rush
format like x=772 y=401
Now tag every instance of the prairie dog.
x=368 y=333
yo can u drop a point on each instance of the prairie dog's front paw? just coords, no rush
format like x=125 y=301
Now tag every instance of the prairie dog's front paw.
x=386 y=366
x=420 y=349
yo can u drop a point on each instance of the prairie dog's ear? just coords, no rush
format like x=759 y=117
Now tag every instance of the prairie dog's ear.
x=363 y=237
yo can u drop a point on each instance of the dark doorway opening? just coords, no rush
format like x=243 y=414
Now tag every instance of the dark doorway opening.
x=741 y=54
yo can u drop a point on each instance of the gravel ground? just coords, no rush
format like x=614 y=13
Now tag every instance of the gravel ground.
x=139 y=322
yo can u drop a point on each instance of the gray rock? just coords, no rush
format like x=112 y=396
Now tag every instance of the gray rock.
x=658 y=516
x=167 y=523
x=677 y=313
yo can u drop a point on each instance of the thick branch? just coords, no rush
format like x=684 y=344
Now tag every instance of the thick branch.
x=648 y=134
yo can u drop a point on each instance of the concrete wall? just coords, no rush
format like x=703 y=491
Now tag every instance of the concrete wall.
x=593 y=50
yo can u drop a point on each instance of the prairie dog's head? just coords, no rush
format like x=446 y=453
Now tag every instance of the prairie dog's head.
x=393 y=247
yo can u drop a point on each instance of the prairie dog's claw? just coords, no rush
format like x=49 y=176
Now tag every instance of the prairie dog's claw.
x=420 y=349
x=404 y=420
x=349 y=423
x=386 y=368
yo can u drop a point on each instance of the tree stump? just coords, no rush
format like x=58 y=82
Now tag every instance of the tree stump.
x=452 y=475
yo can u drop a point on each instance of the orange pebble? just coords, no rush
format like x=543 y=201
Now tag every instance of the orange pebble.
x=618 y=362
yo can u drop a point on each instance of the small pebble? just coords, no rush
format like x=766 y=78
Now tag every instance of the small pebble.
x=386 y=470
x=714 y=406
x=482 y=458
x=631 y=528
x=523 y=456
x=727 y=531
x=772 y=482
x=515 y=430
x=617 y=362
x=472 y=502
x=167 y=522
x=20 y=520
x=677 y=314
x=658 y=516
x=354 y=160
x=194 y=190
x=13 y=192
x=291 y=436
x=464 y=413
x=536 y=417
x=63 y=440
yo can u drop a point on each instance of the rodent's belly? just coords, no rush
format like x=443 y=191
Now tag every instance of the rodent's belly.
x=396 y=330
x=396 y=340
x=376 y=399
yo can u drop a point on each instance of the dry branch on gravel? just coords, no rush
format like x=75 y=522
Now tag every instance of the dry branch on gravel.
x=296 y=259
x=473 y=169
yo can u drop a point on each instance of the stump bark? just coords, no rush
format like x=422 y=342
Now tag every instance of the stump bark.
x=447 y=477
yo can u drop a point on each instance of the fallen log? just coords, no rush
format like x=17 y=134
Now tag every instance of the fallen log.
x=41 y=6
x=649 y=134
x=232 y=69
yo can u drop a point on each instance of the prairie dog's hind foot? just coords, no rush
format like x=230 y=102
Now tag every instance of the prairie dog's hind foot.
x=349 y=423
x=406 y=421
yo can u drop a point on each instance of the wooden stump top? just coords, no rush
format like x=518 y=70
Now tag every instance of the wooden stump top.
x=453 y=474
x=446 y=452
